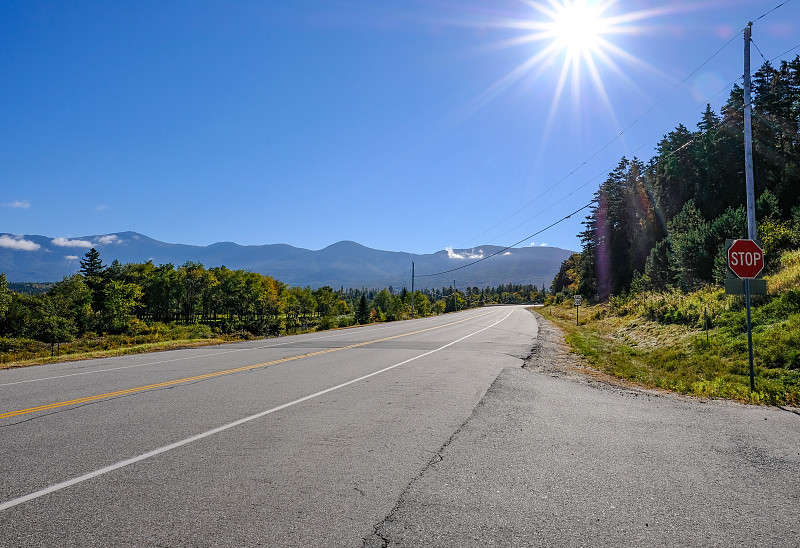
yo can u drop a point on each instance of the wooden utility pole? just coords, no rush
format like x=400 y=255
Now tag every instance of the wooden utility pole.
x=748 y=140
x=749 y=186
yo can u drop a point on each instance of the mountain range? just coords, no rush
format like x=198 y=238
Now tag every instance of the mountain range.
x=34 y=258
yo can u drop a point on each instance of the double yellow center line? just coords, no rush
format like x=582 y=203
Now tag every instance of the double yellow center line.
x=217 y=373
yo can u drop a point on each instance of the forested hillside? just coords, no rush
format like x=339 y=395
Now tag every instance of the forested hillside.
x=663 y=223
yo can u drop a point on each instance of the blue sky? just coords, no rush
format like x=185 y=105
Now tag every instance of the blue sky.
x=405 y=125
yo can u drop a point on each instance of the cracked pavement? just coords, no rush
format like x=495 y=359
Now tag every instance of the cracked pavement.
x=553 y=457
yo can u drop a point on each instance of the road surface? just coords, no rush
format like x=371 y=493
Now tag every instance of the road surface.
x=310 y=442
x=418 y=433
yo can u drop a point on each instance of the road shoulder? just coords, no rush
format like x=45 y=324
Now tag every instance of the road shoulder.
x=547 y=461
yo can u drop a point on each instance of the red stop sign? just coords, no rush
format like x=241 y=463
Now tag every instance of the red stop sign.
x=745 y=258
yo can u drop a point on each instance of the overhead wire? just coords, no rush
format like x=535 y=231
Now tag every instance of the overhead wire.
x=758 y=50
x=784 y=53
x=773 y=9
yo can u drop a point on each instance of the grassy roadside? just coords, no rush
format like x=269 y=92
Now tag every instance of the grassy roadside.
x=26 y=352
x=658 y=340
x=16 y=352
x=121 y=351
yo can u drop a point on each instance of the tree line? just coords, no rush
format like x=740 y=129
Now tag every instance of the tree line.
x=120 y=299
x=663 y=223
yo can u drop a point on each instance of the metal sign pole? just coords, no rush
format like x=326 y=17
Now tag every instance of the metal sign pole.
x=749 y=334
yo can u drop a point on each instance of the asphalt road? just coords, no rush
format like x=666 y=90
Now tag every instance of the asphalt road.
x=310 y=440
x=420 y=433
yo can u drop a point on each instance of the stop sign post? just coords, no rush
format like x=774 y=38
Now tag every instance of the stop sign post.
x=746 y=262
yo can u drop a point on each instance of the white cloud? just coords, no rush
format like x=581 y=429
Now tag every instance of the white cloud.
x=506 y=253
x=64 y=242
x=71 y=257
x=542 y=245
x=466 y=255
x=109 y=239
x=534 y=244
x=452 y=254
x=100 y=207
x=18 y=242
x=20 y=204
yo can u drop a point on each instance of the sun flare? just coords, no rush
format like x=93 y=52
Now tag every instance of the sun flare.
x=572 y=44
x=577 y=28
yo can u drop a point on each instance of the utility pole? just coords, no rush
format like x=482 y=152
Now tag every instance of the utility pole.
x=455 y=300
x=748 y=182
x=412 y=290
x=748 y=139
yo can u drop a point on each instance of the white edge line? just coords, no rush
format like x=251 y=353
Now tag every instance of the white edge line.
x=80 y=479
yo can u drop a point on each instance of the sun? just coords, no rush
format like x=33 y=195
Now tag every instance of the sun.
x=572 y=42
x=572 y=48
x=578 y=31
x=577 y=28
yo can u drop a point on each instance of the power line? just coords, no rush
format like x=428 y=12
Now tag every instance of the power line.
x=784 y=53
x=758 y=49
x=773 y=9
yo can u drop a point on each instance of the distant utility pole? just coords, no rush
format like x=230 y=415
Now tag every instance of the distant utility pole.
x=455 y=300
x=748 y=139
x=412 y=290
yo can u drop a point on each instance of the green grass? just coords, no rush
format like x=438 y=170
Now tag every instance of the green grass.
x=658 y=340
x=149 y=338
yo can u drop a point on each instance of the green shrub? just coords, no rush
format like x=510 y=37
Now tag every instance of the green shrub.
x=345 y=321
x=327 y=322
x=199 y=331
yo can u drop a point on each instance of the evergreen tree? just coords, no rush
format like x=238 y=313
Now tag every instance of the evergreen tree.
x=362 y=310
x=115 y=271
x=91 y=265
x=92 y=269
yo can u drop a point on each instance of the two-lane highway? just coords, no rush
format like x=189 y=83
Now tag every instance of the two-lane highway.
x=283 y=442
